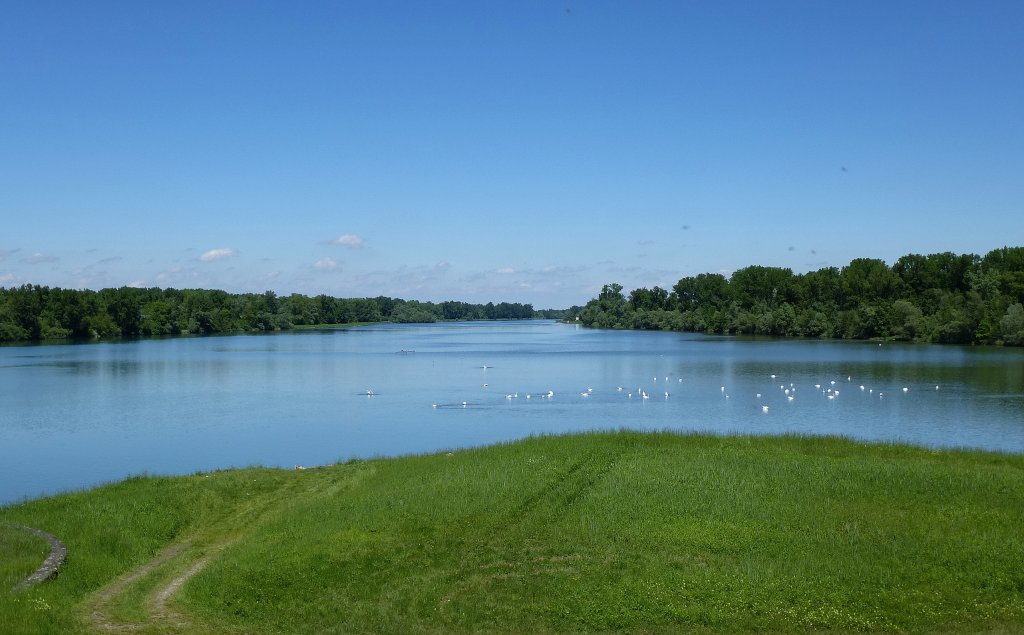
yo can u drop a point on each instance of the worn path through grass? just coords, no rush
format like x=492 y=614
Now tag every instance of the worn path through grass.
x=143 y=600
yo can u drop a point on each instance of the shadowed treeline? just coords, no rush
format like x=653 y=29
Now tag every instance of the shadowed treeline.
x=944 y=297
x=33 y=312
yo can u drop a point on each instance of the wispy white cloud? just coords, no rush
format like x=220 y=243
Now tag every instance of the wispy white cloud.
x=218 y=254
x=509 y=278
x=325 y=264
x=39 y=258
x=90 y=277
x=563 y=269
x=476 y=276
x=7 y=277
x=4 y=253
x=410 y=282
x=176 y=275
x=352 y=241
x=548 y=286
x=545 y=285
x=137 y=284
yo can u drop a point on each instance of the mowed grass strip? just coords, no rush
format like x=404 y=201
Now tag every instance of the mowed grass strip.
x=630 y=531
x=617 y=531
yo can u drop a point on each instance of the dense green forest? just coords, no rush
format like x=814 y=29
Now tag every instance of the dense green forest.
x=942 y=297
x=33 y=312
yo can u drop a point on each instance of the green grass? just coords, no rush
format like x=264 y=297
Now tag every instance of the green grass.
x=21 y=553
x=599 y=532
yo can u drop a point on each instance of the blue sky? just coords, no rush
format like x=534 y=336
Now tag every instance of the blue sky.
x=499 y=151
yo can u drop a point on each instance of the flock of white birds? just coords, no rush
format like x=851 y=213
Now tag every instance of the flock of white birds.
x=829 y=391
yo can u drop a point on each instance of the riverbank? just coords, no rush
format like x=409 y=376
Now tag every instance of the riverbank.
x=609 y=531
x=939 y=298
x=34 y=313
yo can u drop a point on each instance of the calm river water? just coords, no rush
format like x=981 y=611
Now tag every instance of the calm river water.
x=73 y=416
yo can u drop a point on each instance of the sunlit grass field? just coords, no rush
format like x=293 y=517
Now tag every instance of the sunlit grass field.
x=20 y=555
x=623 y=531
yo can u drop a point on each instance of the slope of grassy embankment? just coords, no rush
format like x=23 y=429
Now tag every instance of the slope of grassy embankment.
x=599 y=532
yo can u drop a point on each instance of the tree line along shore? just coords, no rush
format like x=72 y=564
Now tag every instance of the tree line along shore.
x=32 y=312
x=943 y=298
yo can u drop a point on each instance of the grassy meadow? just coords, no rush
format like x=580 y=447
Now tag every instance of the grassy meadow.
x=621 y=531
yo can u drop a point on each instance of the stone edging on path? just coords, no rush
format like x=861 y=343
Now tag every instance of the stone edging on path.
x=58 y=553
